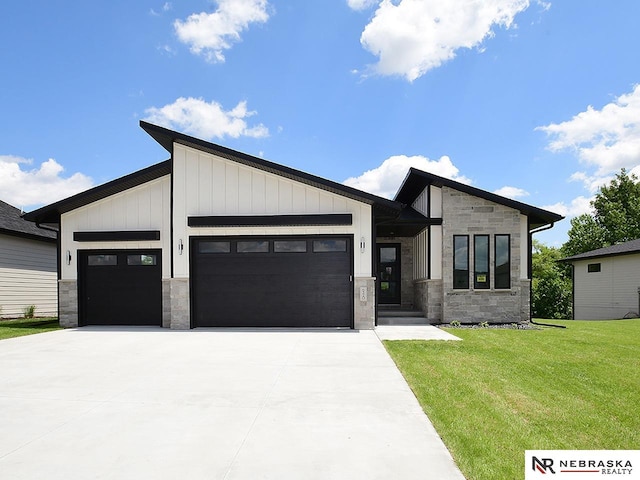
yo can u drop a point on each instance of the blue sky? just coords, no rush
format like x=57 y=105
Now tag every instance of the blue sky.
x=532 y=99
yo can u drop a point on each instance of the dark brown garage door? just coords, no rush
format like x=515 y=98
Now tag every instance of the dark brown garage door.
x=272 y=282
x=120 y=287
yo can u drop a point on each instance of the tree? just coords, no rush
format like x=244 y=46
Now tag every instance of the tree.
x=616 y=217
x=551 y=284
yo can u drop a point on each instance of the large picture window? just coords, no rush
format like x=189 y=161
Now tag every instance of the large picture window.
x=502 y=261
x=460 y=261
x=481 y=261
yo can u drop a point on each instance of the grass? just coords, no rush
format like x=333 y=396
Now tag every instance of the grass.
x=29 y=326
x=501 y=392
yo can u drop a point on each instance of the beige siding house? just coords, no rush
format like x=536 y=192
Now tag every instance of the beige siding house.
x=28 y=266
x=606 y=282
x=213 y=237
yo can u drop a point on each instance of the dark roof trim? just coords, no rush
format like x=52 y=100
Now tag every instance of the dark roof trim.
x=416 y=181
x=271 y=220
x=166 y=138
x=51 y=213
x=627 y=248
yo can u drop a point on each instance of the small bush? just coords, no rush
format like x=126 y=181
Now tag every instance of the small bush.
x=29 y=311
x=455 y=323
x=484 y=324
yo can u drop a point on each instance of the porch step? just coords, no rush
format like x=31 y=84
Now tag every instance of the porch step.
x=403 y=321
x=394 y=315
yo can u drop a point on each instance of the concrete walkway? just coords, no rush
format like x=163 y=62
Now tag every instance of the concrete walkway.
x=412 y=332
x=210 y=404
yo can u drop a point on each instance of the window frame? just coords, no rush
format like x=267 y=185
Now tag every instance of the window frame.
x=465 y=283
x=594 y=267
x=486 y=285
x=498 y=277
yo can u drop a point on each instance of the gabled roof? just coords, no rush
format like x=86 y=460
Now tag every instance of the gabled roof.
x=166 y=138
x=417 y=180
x=12 y=223
x=51 y=213
x=627 y=248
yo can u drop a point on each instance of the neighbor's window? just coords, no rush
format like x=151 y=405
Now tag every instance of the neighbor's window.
x=502 y=261
x=460 y=261
x=481 y=261
x=593 y=267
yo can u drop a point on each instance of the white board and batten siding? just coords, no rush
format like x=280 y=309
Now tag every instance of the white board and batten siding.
x=28 y=276
x=610 y=293
x=207 y=185
x=428 y=203
x=145 y=207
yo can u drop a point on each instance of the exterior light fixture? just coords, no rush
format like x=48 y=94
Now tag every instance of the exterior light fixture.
x=362 y=245
x=180 y=246
x=68 y=257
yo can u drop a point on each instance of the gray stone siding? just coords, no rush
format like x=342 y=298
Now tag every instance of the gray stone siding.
x=428 y=298
x=175 y=303
x=68 y=303
x=465 y=214
x=364 y=312
x=406 y=267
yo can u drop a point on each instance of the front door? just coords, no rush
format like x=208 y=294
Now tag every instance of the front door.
x=388 y=273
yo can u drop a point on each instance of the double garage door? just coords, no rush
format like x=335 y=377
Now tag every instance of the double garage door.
x=302 y=281
x=272 y=281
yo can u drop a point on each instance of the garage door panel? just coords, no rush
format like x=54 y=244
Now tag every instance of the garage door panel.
x=272 y=289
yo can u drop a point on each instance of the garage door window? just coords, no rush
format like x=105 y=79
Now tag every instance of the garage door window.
x=290 y=246
x=253 y=247
x=102 y=260
x=329 y=245
x=214 y=247
x=143 y=260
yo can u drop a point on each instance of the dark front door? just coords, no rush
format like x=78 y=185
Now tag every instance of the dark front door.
x=388 y=273
x=120 y=287
x=297 y=281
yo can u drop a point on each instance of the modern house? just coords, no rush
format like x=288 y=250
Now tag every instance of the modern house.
x=28 y=266
x=215 y=237
x=606 y=282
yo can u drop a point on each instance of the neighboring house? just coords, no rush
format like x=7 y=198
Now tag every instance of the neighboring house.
x=606 y=282
x=215 y=237
x=28 y=266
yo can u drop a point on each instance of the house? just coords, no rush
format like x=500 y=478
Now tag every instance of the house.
x=28 y=266
x=606 y=282
x=215 y=237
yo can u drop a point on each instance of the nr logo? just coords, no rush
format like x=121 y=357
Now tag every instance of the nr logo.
x=542 y=465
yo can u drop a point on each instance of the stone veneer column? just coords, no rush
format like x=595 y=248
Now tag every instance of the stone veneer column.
x=175 y=303
x=68 y=303
x=364 y=312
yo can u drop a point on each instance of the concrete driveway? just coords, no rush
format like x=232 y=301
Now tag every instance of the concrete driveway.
x=210 y=404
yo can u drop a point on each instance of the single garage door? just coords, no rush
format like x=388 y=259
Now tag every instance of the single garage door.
x=272 y=281
x=120 y=287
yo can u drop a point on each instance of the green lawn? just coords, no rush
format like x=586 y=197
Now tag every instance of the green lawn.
x=499 y=392
x=27 y=326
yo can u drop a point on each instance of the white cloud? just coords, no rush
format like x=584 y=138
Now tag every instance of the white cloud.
x=361 y=4
x=578 y=206
x=387 y=178
x=411 y=37
x=165 y=8
x=206 y=120
x=606 y=139
x=37 y=186
x=209 y=34
x=511 y=192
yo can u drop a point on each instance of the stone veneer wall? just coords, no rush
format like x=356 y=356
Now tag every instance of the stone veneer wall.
x=406 y=267
x=364 y=312
x=465 y=214
x=175 y=303
x=428 y=298
x=68 y=303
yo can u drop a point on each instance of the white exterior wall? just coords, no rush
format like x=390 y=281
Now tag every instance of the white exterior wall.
x=610 y=293
x=28 y=276
x=206 y=184
x=145 y=207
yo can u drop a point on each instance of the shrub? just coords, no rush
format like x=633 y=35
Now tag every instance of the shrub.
x=29 y=311
x=455 y=323
x=484 y=324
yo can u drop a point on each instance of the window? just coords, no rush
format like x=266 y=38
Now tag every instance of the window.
x=593 y=267
x=290 y=246
x=144 y=260
x=502 y=262
x=102 y=260
x=460 y=261
x=253 y=247
x=481 y=261
x=214 y=247
x=330 y=245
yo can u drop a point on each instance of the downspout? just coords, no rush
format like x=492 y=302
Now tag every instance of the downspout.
x=541 y=229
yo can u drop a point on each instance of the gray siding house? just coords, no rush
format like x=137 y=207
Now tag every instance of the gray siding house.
x=28 y=266
x=606 y=282
x=215 y=237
